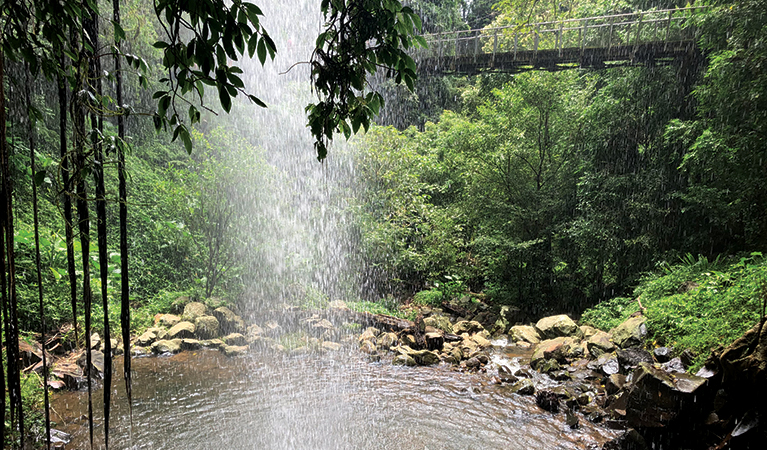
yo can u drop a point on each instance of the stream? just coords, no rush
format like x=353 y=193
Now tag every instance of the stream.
x=338 y=400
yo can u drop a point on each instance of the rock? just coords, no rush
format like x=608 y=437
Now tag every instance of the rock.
x=114 y=346
x=228 y=321
x=439 y=322
x=434 y=341
x=212 y=343
x=556 y=326
x=630 y=333
x=206 y=327
x=182 y=330
x=194 y=310
x=572 y=420
x=322 y=327
x=630 y=358
x=425 y=357
x=588 y=331
x=404 y=360
x=599 y=344
x=254 y=333
x=331 y=346
x=673 y=366
x=511 y=315
x=235 y=339
x=614 y=383
x=272 y=329
x=524 y=333
x=467 y=326
x=169 y=320
x=505 y=375
x=138 y=351
x=481 y=341
x=368 y=347
x=548 y=365
x=407 y=339
x=628 y=440
x=234 y=350
x=560 y=349
x=655 y=397
x=524 y=386
x=167 y=346
x=387 y=340
x=548 y=401
x=468 y=346
x=146 y=339
x=190 y=344
x=161 y=333
x=473 y=363
x=663 y=354
x=97 y=363
x=95 y=341
x=607 y=364
x=558 y=375
x=369 y=334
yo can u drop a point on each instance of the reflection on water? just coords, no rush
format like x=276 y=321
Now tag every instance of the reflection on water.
x=203 y=400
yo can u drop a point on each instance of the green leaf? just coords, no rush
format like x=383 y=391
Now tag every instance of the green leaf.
x=261 y=51
x=39 y=178
x=226 y=100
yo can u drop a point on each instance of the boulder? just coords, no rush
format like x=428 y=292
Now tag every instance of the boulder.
x=627 y=440
x=524 y=333
x=556 y=326
x=179 y=303
x=607 y=364
x=182 y=330
x=403 y=360
x=95 y=341
x=207 y=327
x=97 y=363
x=228 y=321
x=331 y=346
x=505 y=375
x=235 y=339
x=467 y=326
x=524 y=386
x=387 y=340
x=368 y=347
x=481 y=341
x=663 y=354
x=167 y=346
x=559 y=349
x=630 y=333
x=161 y=333
x=194 y=310
x=599 y=344
x=212 y=343
x=146 y=339
x=655 y=397
x=630 y=358
x=425 y=357
x=234 y=350
x=548 y=401
x=169 y=320
x=588 y=331
x=439 y=322
x=190 y=344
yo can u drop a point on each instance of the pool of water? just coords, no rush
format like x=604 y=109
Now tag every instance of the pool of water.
x=340 y=400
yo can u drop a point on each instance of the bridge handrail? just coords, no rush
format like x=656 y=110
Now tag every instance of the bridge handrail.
x=624 y=29
x=432 y=36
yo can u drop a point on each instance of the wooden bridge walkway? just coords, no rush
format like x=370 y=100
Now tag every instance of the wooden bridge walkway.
x=640 y=38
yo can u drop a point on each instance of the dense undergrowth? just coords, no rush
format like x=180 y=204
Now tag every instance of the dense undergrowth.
x=697 y=304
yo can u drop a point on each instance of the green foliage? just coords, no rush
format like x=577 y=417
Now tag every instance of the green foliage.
x=696 y=305
x=343 y=60
x=610 y=313
x=432 y=297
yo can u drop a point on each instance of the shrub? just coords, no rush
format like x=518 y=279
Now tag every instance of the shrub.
x=432 y=297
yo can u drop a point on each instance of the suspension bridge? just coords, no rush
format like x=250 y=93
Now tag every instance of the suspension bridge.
x=638 y=38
